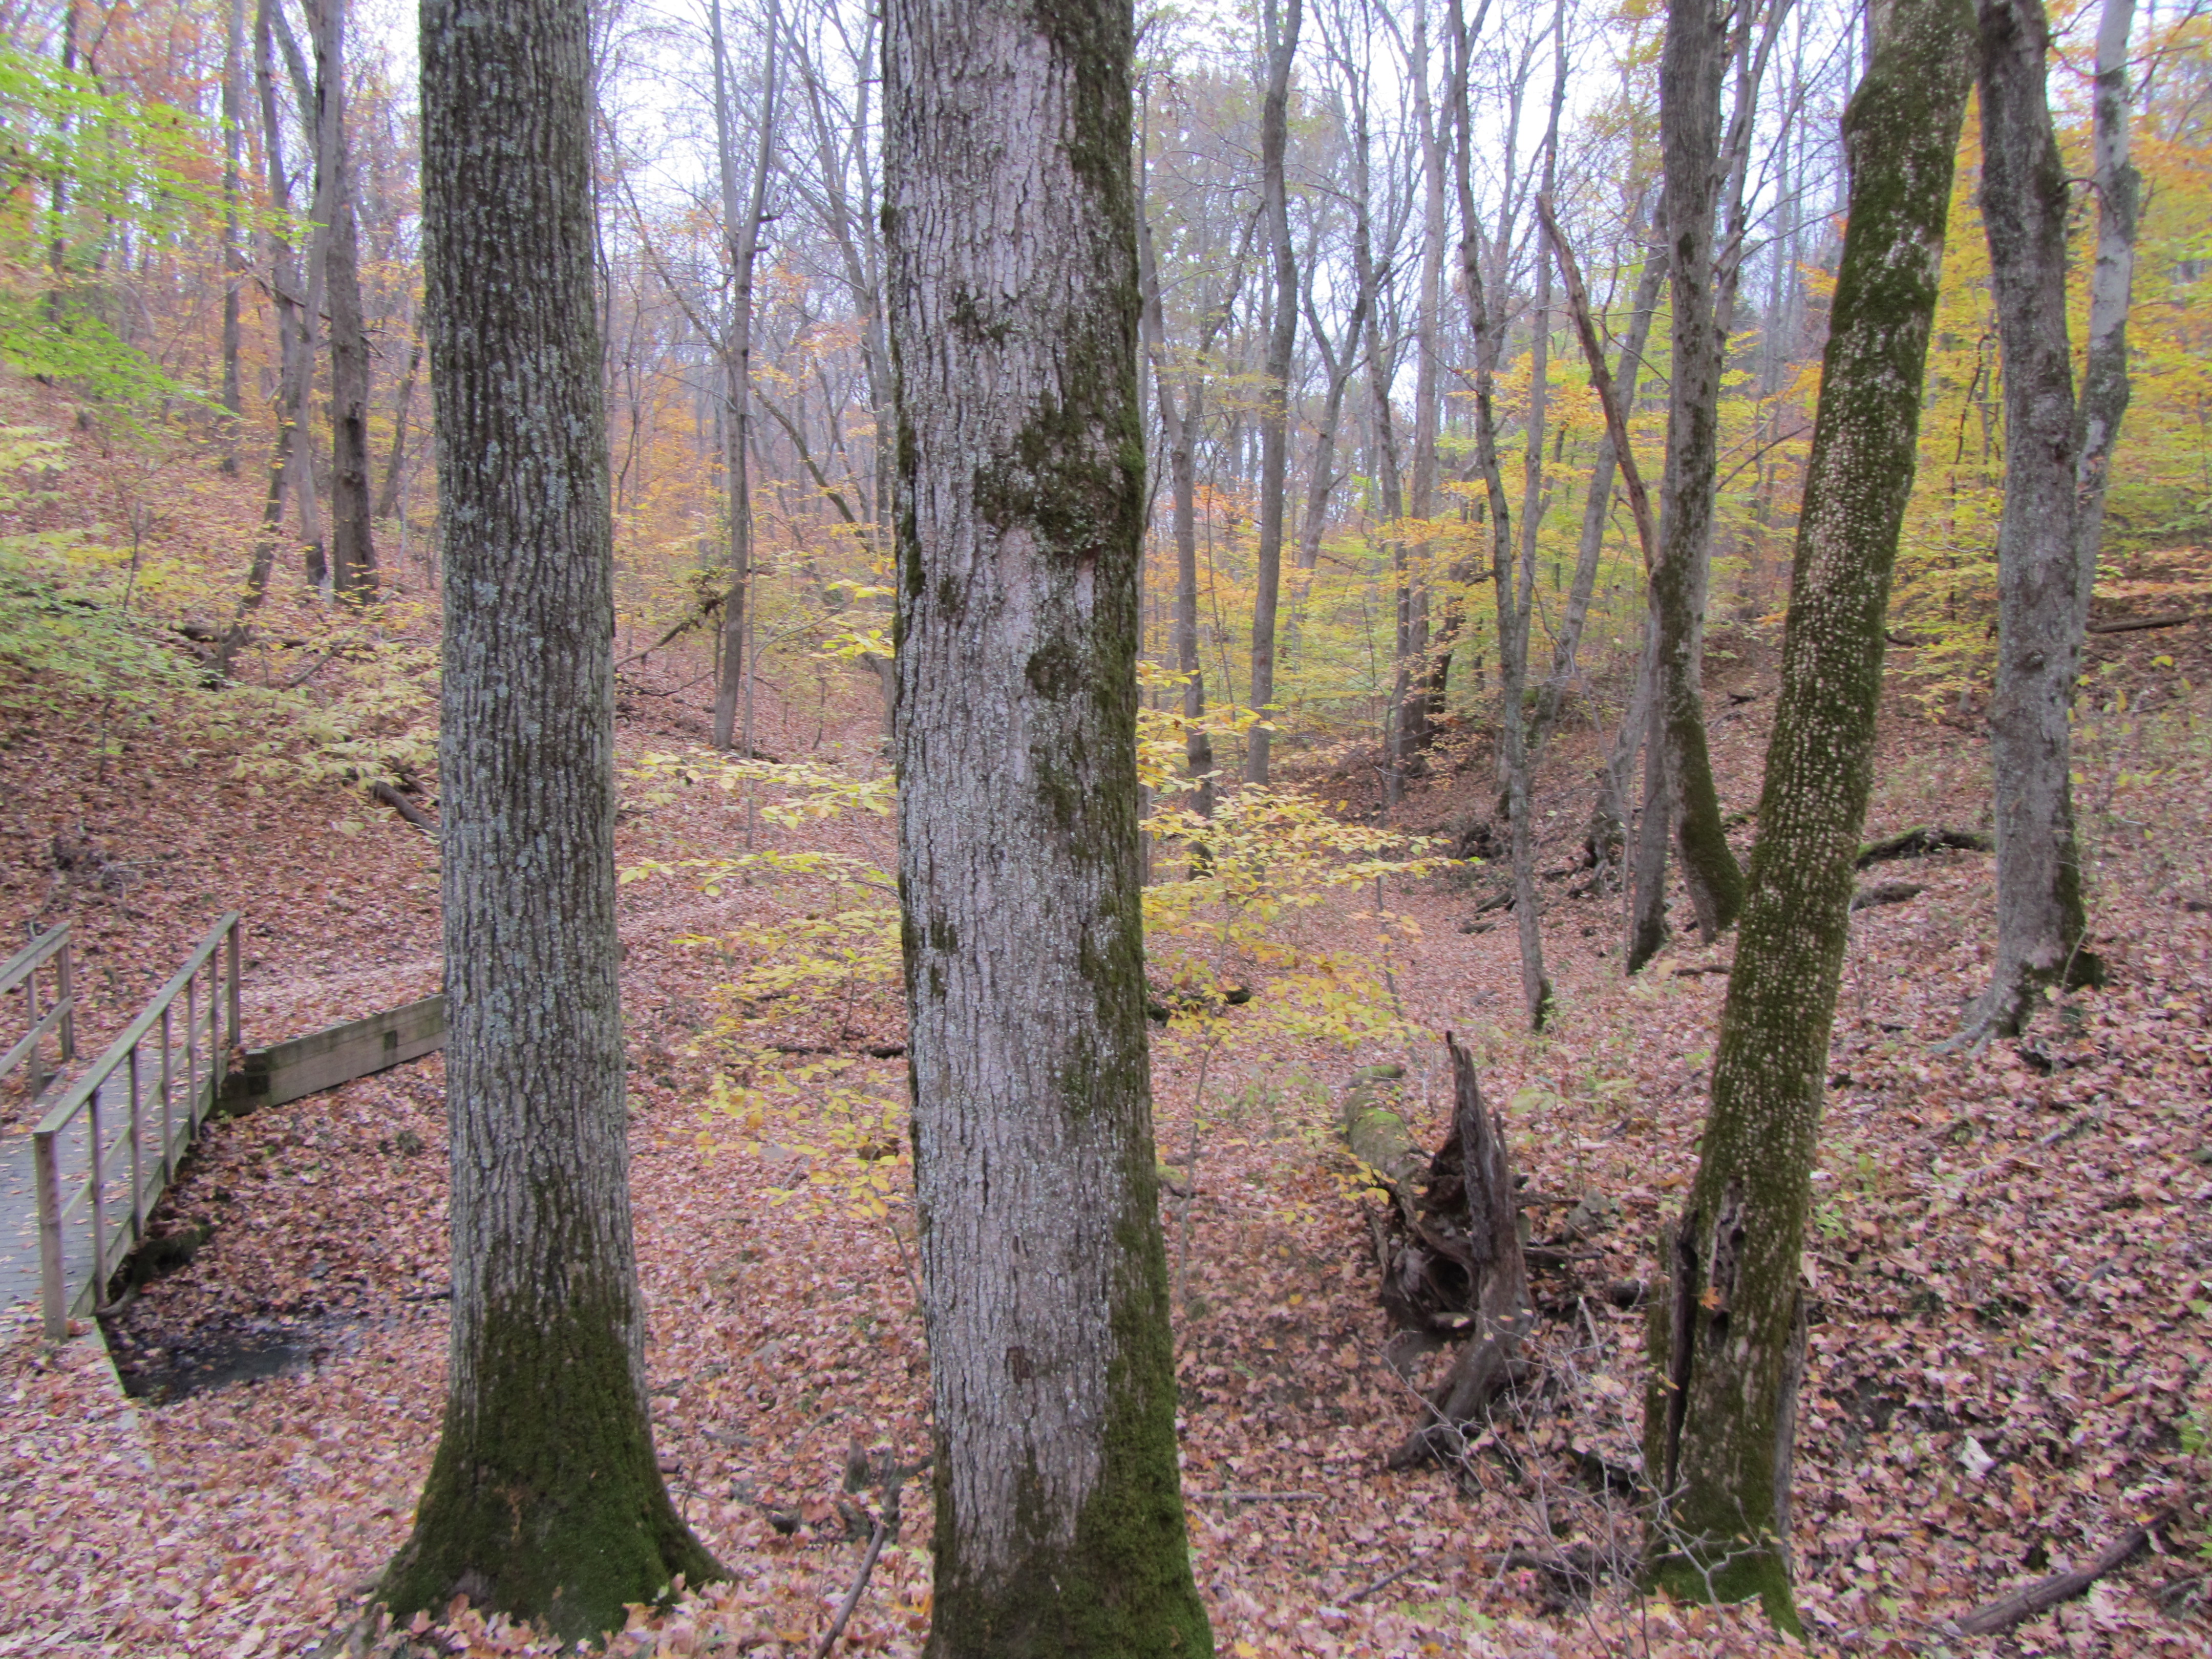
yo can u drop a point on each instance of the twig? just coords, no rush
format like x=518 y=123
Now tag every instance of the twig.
x=1261 y=1497
x=853 y=1596
x=1384 y=1582
x=2045 y=1593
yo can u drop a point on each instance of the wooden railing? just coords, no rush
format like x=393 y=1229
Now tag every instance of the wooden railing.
x=51 y=953
x=88 y=1221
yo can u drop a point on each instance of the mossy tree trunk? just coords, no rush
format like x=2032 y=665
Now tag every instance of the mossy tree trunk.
x=1012 y=297
x=1727 y=1338
x=1691 y=65
x=2043 y=583
x=544 y=1499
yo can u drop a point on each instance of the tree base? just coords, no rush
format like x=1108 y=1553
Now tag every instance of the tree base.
x=1744 y=1573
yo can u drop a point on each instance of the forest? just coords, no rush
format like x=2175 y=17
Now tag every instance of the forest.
x=1314 y=827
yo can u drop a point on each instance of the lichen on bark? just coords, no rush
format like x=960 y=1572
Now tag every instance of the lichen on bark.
x=544 y=1499
x=1727 y=1336
x=1013 y=299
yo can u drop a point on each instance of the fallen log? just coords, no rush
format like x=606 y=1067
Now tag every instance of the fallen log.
x=2030 y=1600
x=1919 y=843
x=1378 y=1137
x=2137 y=624
x=1886 y=892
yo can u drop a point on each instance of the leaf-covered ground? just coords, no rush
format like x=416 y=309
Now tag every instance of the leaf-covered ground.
x=2011 y=1266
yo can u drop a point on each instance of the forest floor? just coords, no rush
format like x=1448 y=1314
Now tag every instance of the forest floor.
x=2011 y=1268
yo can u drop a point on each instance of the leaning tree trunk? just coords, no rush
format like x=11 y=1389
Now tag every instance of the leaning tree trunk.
x=1727 y=1333
x=353 y=544
x=1274 y=390
x=544 y=1499
x=2043 y=588
x=1691 y=66
x=1012 y=299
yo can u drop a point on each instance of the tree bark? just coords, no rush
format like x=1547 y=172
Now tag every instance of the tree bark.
x=353 y=544
x=2042 y=585
x=1012 y=299
x=1692 y=63
x=1274 y=393
x=1727 y=1330
x=544 y=1499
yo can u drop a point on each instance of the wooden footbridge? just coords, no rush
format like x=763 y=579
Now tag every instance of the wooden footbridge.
x=76 y=1193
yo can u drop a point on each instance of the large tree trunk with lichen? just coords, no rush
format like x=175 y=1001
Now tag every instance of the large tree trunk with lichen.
x=1728 y=1334
x=2043 y=582
x=544 y=1499
x=1692 y=63
x=1012 y=300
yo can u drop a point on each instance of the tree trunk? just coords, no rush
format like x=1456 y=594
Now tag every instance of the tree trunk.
x=2104 y=375
x=387 y=501
x=233 y=196
x=294 y=353
x=1417 y=707
x=1727 y=1330
x=1596 y=510
x=1515 y=600
x=353 y=545
x=1691 y=66
x=741 y=223
x=1516 y=596
x=1175 y=424
x=2042 y=585
x=1012 y=298
x=299 y=461
x=1274 y=393
x=544 y=1499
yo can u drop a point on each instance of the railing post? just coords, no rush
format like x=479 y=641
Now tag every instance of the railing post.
x=68 y=988
x=96 y=1151
x=48 y=1174
x=137 y=1159
x=191 y=1049
x=235 y=924
x=216 y=1057
x=168 y=1126
x=31 y=1017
